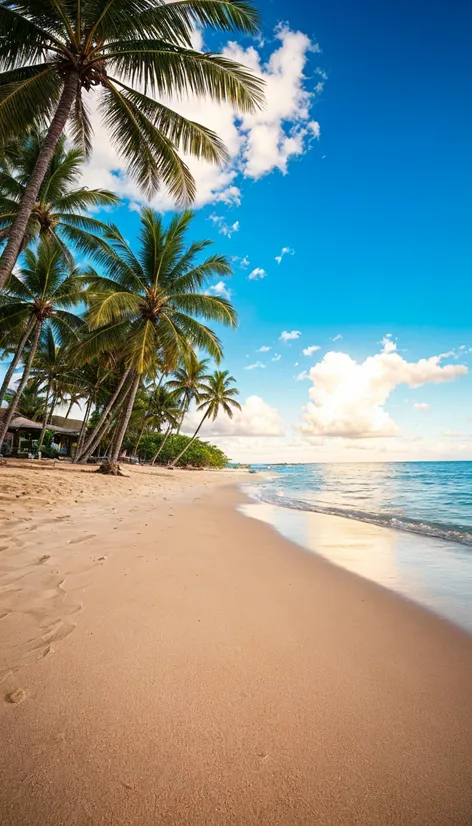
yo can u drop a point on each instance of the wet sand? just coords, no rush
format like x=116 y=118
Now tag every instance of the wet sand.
x=212 y=673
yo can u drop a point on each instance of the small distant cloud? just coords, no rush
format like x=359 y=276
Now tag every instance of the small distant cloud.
x=308 y=351
x=337 y=338
x=284 y=251
x=219 y=289
x=462 y=347
x=223 y=227
x=256 y=366
x=230 y=196
x=276 y=357
x=451 y=354
x=296 y=364
x=256 y=274
x=292 y=336
x=241 y=262
x=421 y=406
x=388 y=345
x=264 y=349
x=302 y=376
x=321 y=72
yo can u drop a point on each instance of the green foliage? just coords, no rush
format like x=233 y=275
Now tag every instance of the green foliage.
x=61 y=208
x=198 y=454
x=95 y=46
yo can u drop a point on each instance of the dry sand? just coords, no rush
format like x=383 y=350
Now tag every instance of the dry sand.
x=216 y=674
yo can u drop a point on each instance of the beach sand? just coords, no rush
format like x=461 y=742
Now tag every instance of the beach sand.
x=167 y=660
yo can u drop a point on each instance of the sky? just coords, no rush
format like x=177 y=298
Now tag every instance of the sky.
x=346 y=211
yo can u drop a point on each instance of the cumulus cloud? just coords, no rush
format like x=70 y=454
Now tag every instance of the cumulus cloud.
x=421 y=406
x=256 y=366
x=347 y=398
x=257 y=143
x=223 y=227
x=219 y=289
x=292 y=336
x=256 y=274
x=256 y=418
x=388 y=345
x=284 y=251
x=264 y=349
x=308 y=351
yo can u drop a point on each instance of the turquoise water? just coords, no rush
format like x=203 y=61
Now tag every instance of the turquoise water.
x=427 y=553
x=428 y=498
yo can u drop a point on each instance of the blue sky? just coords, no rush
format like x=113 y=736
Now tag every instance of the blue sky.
x=376 y=212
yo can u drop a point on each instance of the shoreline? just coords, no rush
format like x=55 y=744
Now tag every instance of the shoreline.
x=219 y=674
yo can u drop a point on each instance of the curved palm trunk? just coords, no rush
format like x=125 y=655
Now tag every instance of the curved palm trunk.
x=15 y=359
x=174 y=462
x=83 y=429
x=92 y=441
x=46 y=417
x=69 y=409
x=23 y=380
x=141 y=432
x=125 y=420
x=168 y=432
x=18 y=229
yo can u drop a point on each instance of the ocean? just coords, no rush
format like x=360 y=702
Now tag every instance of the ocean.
x=426 y=554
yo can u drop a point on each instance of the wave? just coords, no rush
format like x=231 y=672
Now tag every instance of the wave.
x=438 y=530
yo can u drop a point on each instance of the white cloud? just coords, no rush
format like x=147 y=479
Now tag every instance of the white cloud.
x=337 y=338
x=257 y=274
x=347 y=399
x=284 y=251
x=257 y=143
x=421 y=406
x=388 y=345
x=256 y=366
x=256 y=418
x=264 y=349
x=302 y=376
x=219 y=289
x=276 y=357
x=308 y=351
x=223 y=227
x=286 y=336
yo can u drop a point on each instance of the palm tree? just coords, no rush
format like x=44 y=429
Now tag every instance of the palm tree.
x=60 y=210
x=218 y=394
x=188 y=380
x=51 y=370
x=150 y=303
x=52 y=53
x=45 y=286
x=31 y=404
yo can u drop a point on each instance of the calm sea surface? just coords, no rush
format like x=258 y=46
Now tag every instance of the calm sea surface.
x=427 y=553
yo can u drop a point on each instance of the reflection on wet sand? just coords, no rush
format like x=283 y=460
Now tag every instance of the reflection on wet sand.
x=429 y=571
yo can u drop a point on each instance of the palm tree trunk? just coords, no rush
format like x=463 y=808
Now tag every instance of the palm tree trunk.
x=168 y=432
x=83 y=429
x=139 y=439
x=69 y=409
x=23 y=380
x=46 y=417
x=125 y=421
x=15 y=359
x=18 y=229
x=90 y=443
x=174 y=462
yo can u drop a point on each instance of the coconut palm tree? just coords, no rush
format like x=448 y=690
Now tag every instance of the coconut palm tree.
x=32 y=402
x=151 y=304
x=60 y=209
x=45 y=286
x=188 y=379
x=57 y=55
x=217 y=395
x=52 y=370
